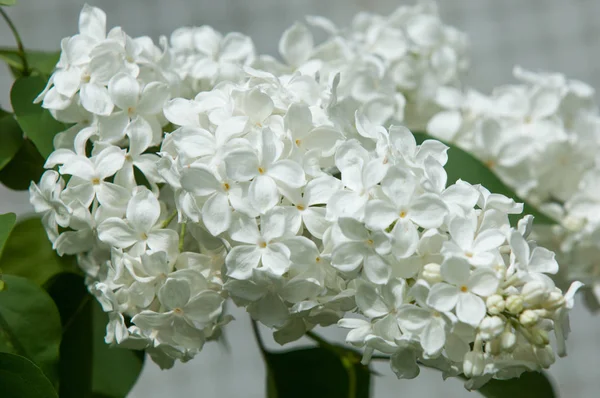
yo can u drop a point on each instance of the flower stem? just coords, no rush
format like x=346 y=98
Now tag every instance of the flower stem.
x=166 y=223
x=181 y=236
x=21 y=49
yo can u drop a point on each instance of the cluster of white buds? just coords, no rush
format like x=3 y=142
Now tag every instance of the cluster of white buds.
x=279 y=191
x=541 y=137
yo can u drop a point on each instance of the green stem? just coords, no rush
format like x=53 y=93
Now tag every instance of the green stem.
x=181 y=236
x=13 y=28
x=166 y=223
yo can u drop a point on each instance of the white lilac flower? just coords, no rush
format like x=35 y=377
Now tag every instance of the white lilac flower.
x=281 y=186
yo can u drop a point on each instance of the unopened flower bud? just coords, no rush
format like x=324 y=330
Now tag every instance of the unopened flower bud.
x=508 y=340
x=432 y=273
x=528 y=318
x=473 y=364
x=539 y=337
x=534 y=292
x=495 y=304
x=545 y=356
x=554 y=301
x=491 y=327
x=514 y=304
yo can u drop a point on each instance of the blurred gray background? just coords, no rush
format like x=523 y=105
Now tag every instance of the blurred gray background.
x=555 y=35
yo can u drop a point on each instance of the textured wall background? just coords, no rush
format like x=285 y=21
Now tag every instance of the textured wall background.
x=557 y=35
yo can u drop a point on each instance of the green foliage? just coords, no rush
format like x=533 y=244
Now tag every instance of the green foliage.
x=26 y=166
x=20 y=378
x=39 y=62
x=11 y=139
x=88 y=365
x=529 y=385
x=28 y=253
x=8 y=2
x=462 y=165
x=315 y=372
x=30 y=324
x=37 y=123
x=7 y=222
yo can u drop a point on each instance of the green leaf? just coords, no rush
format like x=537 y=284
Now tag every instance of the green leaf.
x=89 y=367
x=8 y=2
x=20 y=378
x=529 y=385
x=30 y=324
x=28 y=253
x=26 y=166
x=317 y=373
x=37 y=123
x=40 y=62
x=462 y=165
x=7 y=222
x=11 y=139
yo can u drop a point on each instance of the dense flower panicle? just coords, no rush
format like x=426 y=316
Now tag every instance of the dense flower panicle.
x=541 y=137
x=278 y=186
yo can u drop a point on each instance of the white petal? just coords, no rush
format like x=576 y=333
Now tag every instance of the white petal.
x=204 y=308
x=442 y=297
x=288 y=172
x=404 y=363
x=95 y=99
x=321 y=189
x=353 y=229
x=445 y=125
x=154 y=95
x=380 y=214
x=470 y=309
x=92 y=22
x=413 y=319
x=236 y=47
x=433 y=337
x=257 y=105
x=456 y=270
x=376 y=269
x=520 y=248
x=462 y=232
x=241 y=260
x=163 y=240
x=143 y=210
x=241 y=165
x=109 y=161
x=199 y=180
x=542 y=260
x=175 y=293
x=489 y=239
x=140 y=135
x=117 y=232
x=216 y=214
x=112 y=195
x=296 y=44
x=428 y=211
x=369 y=301
x=347 y=257
x=315 y=221
x=276 y=258
x=182 y=112
x=483 y=281
x=405 y=239
x=124 y=91
x=263 y=193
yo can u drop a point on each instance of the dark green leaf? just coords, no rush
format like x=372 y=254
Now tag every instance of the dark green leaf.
x=462 y=165
x=30 y=324
x=37 y=123
x=11 y=139
x=529 y=385
x=26 y=166
x=7 y=222
x=76 y=352
x=20 y=378
x=317 y=373
x=41 y=62
x=28 y=253
x=89 y=367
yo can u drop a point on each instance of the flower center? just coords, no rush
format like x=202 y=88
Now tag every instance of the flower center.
x=262 y=244
x=178 y=311
x=318 y=259
x=369 y=242
x=86 y=78
x=469 y=254
x=300 y=207
x=261 y=170
x=298 y=142
x=226 y=186
x=144 y=236
x=464 y=289
x=402 y=214
x=96 y=181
